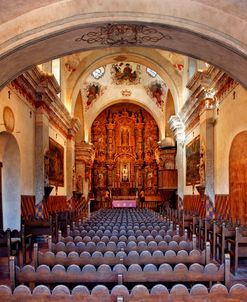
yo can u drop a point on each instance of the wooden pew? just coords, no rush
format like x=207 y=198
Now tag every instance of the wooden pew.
x=5 y=250
x=120 y=293
x=97 y=258
x=237 y=247
x=226 y=232
x=121 y=245
x=119 y=273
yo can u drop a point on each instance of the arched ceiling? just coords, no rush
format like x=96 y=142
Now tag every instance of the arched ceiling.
x=79 y=66
x=115 y=87
x=32 y=32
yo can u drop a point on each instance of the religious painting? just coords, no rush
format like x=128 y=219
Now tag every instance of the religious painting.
x=56 y=163
x=158 y=92
x=124 y=73
x=92 y=92
x=193 y=162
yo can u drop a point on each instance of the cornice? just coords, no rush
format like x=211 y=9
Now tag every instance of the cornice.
x=212 y=84
x=41 y=90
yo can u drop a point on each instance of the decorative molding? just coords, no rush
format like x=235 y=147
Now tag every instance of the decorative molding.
x=85 y=152
x=40 y=89
x=126 y=92
x=8 y=119
x=208 y=88
x=177 y=127
x=123 y=34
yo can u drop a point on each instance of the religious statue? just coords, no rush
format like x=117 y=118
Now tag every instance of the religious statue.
x=125 y=173
x=92 y=93
x=79 y=184
x=46 y=169
x=107 y=195
x=73 y=179
x=101 y=180
x=142 y=196
x=150 y=179
x=125 y=137
x=202 y=164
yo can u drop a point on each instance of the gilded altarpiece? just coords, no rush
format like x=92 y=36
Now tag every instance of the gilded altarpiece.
x=125 y=139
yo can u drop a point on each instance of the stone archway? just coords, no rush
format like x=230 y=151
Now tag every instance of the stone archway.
x=11 y=181
x=35 y=33
x=238 y=177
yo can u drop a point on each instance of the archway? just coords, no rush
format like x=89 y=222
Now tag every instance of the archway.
x=238 y=177
x=55 y=28
x=11 y=181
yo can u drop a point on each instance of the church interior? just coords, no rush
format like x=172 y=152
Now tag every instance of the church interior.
x=123 y=159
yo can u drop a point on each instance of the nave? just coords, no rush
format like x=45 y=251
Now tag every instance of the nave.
x=124 y=255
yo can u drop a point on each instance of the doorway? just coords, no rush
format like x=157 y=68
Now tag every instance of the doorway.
x=238 y=178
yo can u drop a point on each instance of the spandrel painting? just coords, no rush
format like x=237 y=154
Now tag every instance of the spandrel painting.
x=193 y=162
x=56 y=163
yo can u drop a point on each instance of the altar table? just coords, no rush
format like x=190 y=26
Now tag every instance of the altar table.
x=124 y=203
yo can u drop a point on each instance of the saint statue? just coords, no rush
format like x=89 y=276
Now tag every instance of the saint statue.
x=125 y=173
x=125 y=137
x=202 y=165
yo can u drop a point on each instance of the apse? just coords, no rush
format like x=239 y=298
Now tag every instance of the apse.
x=126 y=138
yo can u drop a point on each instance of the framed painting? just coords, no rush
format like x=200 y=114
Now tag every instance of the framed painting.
x=193 y=162
x=56 y=164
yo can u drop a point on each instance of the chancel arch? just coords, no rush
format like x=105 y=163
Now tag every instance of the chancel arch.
x=185 y=27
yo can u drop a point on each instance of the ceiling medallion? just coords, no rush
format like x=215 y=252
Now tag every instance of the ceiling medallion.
x=123 y=34
x=8 y=119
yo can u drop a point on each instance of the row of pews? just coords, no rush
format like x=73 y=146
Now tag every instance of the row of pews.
x=224 y=236
x=123 y=255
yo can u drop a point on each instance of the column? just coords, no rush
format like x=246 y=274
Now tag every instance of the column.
x=41 y=148
x=178 y=128
x=207 y=157
x=70 y=157
x=84 y=157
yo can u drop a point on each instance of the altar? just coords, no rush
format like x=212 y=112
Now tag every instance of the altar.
x=124 y=203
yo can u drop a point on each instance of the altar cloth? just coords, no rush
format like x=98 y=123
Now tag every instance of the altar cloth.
x=124 y=203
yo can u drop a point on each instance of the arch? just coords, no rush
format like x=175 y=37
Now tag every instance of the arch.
x=31 y=34
x=111 y=102
x=238 y=177
x=157 y=62
x=11 y=181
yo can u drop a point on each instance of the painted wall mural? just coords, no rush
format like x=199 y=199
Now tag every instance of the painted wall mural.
x=56 y=163
x=193 y=162
x=157 y=90
x=92 y=92
x=125 y=73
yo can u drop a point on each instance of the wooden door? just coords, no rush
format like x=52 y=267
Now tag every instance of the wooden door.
x=238 y=177
x=1 y=206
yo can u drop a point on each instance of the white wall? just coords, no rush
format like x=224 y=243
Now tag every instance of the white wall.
x=231 y=120
x=24 y=134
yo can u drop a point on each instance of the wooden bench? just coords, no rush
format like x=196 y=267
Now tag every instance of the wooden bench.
x=120 y=293
x=119 y=273
x=97 y=258
x=237 y=247
x=121 y=245
x=225 y=233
